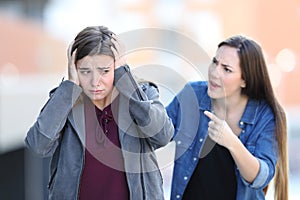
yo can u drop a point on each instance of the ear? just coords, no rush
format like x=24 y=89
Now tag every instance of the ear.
x=243 y=84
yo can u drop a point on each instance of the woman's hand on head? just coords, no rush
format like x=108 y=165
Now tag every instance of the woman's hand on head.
x=72 y=72
x=118 y=50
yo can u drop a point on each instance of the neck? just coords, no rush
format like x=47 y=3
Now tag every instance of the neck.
x=225 y=107
x=101 y=104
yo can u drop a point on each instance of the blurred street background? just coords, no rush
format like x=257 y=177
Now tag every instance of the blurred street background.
x=35 y=34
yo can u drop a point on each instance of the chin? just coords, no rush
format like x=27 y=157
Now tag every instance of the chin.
x=212 y=95
x=209 y=93
x=96 y=98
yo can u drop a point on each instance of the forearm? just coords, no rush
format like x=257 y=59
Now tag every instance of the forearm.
x=152 y=119
x=145 y=108
x=160 y=128
x=139 y=104
x=127 y=85
x=42 y=136
x=247 y=164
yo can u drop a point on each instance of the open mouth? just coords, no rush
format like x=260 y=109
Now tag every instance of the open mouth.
x=214 y=84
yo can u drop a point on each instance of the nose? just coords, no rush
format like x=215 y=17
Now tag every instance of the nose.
x=214 y=70
x=96 y=78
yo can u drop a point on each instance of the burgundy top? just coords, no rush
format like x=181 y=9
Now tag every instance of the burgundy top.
x=103 y=175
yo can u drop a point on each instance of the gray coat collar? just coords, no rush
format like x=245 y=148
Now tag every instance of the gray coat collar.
x=77 y=119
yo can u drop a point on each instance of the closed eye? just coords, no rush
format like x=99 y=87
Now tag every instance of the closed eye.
x=227 y=69
x=83 y=71
x=104 y=71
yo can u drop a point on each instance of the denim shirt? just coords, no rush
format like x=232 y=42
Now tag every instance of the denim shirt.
x=190 y=123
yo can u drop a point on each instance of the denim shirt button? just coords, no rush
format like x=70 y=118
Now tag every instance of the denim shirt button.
x=241 y=123
x=177 y=196
x=185 y=178
x=195 y=159
x=200 y=140
x=178 y=142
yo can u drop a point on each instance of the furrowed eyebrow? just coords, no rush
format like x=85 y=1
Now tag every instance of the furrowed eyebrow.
x=103 y=68
x=87 y=68
x=222 y=64
x=83 y=68
x=225 y=65
x=228 y=66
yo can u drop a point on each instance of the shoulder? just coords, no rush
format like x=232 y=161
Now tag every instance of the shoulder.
x=258 y=111
x=198 y=87
x=260 y=106
x=265 y=109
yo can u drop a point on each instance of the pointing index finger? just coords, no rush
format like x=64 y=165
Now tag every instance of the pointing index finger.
x=211 y=116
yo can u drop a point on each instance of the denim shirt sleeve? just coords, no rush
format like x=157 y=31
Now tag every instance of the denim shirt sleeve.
x=184 y=108
x=259 y=138
x=261 y=177
x=173 y=111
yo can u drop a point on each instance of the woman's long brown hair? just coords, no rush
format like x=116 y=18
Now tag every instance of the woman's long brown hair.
x=254 y=68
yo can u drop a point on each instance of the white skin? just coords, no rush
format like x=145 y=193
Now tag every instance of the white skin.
x=95 y=74
x=224 y=87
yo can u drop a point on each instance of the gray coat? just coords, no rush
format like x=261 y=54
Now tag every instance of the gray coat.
x=143 y=126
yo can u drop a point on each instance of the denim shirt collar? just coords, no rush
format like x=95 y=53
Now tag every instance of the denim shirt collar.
x=250 y=112
x=205 y=103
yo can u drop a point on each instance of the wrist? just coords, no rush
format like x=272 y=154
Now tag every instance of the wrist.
x=234 y=145
x=74 y=81
x=119 y=65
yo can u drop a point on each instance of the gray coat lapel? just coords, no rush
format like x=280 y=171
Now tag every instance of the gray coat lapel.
x=124 y=119
x=77 y=119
